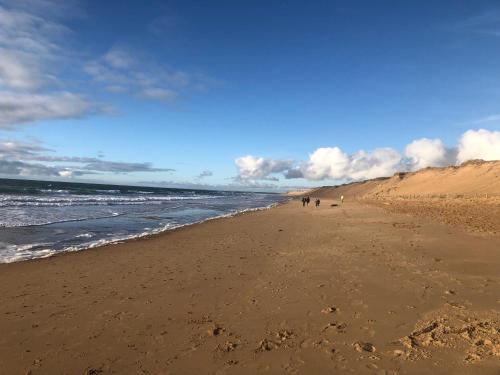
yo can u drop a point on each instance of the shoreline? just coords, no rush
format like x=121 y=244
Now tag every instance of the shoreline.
x=104 y=243
x=307 y=290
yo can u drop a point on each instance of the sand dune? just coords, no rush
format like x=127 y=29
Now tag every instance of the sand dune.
x=352 y=190
x=298 y=193
x=473 y=178
x=467 y=195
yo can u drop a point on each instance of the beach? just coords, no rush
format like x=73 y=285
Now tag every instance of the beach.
x=353 y=288
x=245 y=188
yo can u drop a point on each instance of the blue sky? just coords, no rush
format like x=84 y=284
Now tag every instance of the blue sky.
x=245 y=94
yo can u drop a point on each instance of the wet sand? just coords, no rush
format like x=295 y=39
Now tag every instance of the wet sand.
x=351 y=288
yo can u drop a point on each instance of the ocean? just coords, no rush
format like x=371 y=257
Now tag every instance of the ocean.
x=40 y=218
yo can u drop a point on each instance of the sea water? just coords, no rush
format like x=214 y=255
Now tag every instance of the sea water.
x=39 y=218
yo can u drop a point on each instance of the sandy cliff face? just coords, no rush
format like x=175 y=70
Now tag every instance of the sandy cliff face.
x=471 y=179
x=467 y=195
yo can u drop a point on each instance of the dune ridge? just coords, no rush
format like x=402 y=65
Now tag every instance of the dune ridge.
x=472 y=178
x=467 y=195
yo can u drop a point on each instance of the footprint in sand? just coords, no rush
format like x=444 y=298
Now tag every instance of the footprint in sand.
x=93 y=371
x=282 y=337
x=216 y=331
x=339 y=327
x=228 y=346
x=265 y=346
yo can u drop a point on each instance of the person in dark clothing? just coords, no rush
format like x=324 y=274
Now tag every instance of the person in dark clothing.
x=303 y=201
x=308 y=200
x=317 y=202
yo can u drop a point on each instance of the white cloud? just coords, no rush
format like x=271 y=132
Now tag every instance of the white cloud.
x=479 y=144
x=18 y=72
x=32 y=50
x=381 y=162
x=255 y=168
x=426 y=152
x=326 y=162
x=118 y=58
x=120 y=70
x=23 y=30
x=331 y=163
x=36 y=54
x=53 y=8
x=486 y=120
x=18 y=108
x=158 y=93
x=66 y=173
x=30 y=47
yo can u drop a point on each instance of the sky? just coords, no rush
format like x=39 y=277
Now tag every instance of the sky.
x=264 y=95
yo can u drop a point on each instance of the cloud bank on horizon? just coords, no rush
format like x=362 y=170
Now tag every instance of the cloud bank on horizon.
x=30 y=159
x=331 y=163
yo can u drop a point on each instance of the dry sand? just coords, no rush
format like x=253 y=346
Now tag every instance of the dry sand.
x=348 y=288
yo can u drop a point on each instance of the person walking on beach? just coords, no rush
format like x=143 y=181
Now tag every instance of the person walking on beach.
x=308 y=200
x=341 y=199
x=317 y=202
x=303 y=201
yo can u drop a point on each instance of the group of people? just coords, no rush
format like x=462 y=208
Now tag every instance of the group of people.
x=306 y=200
